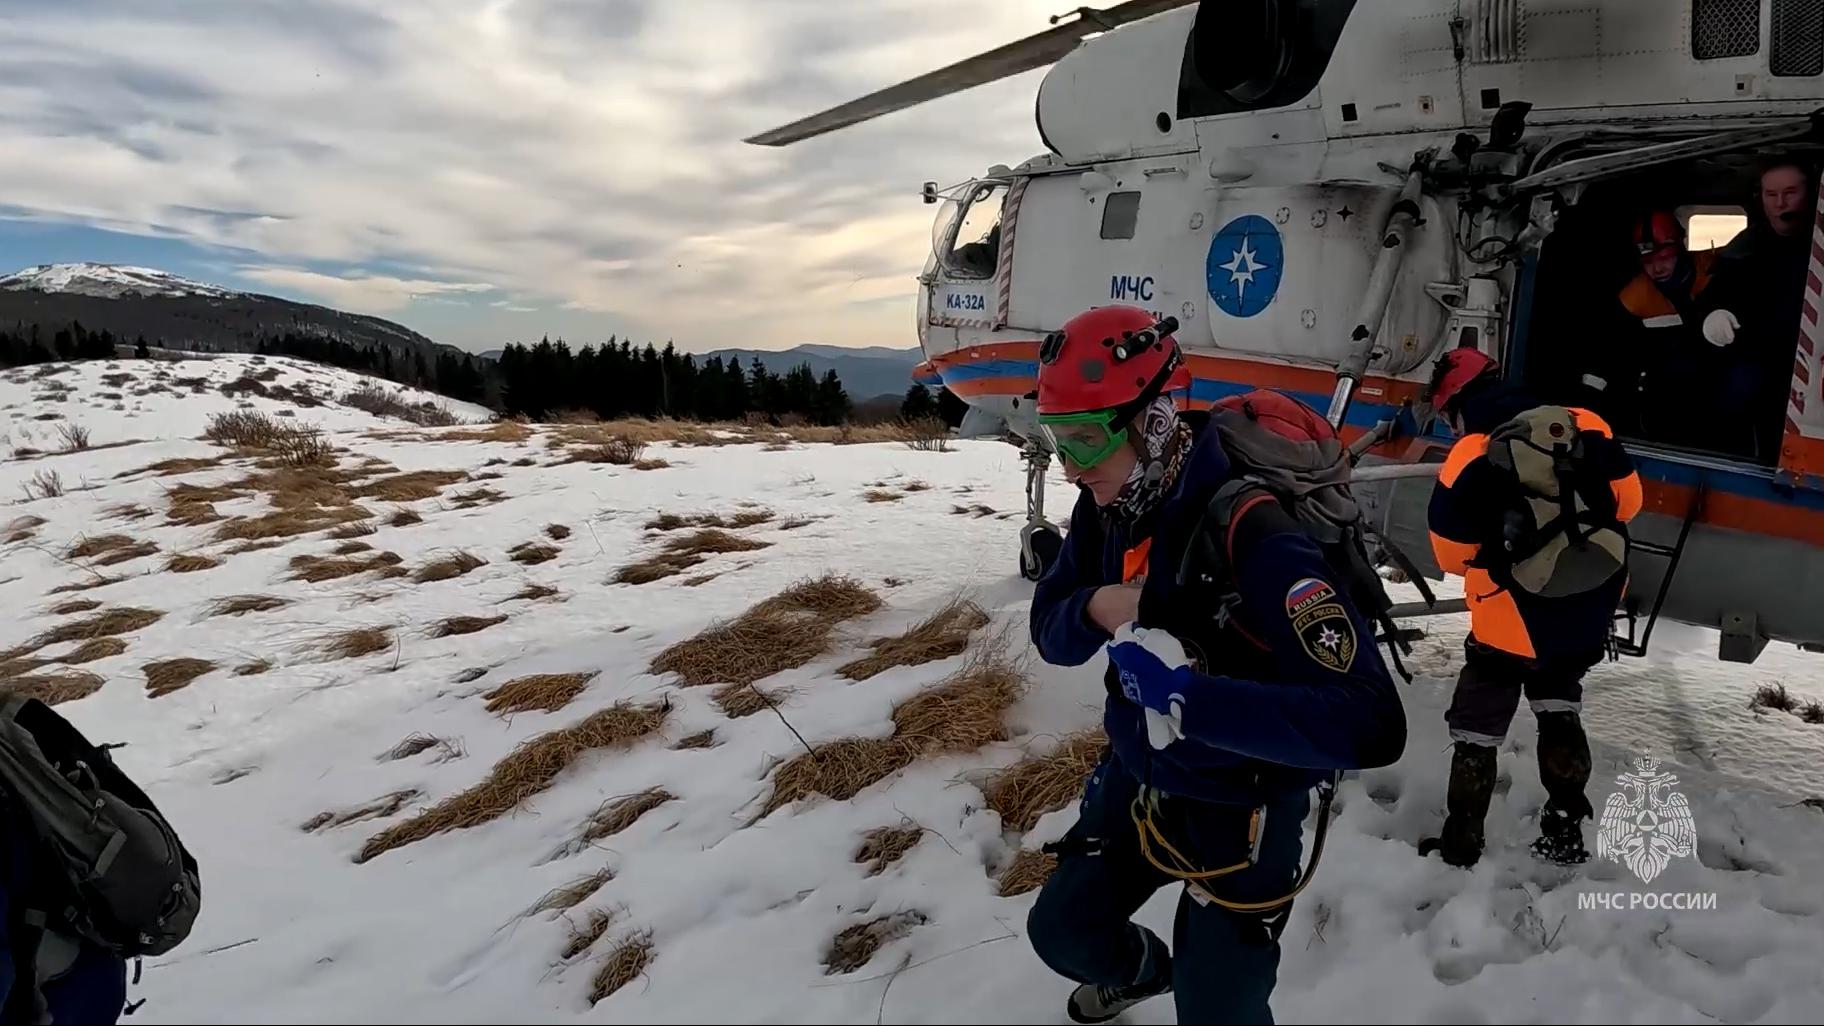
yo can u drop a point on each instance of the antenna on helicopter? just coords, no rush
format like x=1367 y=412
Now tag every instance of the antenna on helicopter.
x=1035 y=51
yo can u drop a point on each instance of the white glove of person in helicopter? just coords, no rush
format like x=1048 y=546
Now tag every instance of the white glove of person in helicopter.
x=1151 y=663
x=1720 y=328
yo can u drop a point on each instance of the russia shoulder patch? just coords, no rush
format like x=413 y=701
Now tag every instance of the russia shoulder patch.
x=1322 y=625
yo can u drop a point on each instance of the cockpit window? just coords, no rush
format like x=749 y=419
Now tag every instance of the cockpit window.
x=975 y=249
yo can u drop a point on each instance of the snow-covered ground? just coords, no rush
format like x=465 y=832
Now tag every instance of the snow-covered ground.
x=740 y=912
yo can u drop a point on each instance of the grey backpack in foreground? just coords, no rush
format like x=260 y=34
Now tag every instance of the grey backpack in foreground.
x=107 y=866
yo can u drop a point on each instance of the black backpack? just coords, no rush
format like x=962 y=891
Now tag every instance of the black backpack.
x=1281 y=447
x=105 y=866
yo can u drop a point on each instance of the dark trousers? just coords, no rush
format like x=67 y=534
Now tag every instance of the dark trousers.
x=1223 y=964
x=1487 y=696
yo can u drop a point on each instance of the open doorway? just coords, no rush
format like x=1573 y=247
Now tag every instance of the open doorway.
x=1669 y=302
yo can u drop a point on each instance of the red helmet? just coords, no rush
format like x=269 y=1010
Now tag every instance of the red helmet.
x=1116 y=358
x=1455 y=370
x=1657 y=230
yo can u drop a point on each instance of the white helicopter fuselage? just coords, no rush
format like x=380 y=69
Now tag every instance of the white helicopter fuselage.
x=1266 y=232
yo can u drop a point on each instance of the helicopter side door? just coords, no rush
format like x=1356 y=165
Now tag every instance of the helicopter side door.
x=1127 y=232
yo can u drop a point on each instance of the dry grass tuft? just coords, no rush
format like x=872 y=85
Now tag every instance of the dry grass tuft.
x=85 y=584
x=883 y=846
x=547 y=691
x=855 y=947
x=93 y=649
x=571 y=894
x=361 y=641
x=713 y=540
x=502 y=431
x=1773 y=696
x=253 y=669
x=184 y=465
x=357 y=529
x=533 y=592
x=190 y=563
x=943 y=634
x=409 y=487
x=738 y=700
x=656 y=568
x=532 y=553
x=529 y=770
x=881 y=495
x=624 y=964
x=75 y=606
x=105 y=624
x=558 y=532
x=418 y=744
x=29 y=522
x=1028 y=872
x=839 y=770
x=740 y=518
x=349 y=548
x=317 y=569
x=380 y=808
x=454 y=625
x=287 y=523
x=126 y=511
x=170 y=675
x=701 y=739
x=1038 y=784
x=584 y=935
x=978 y=511
x=54 y=688
x=477 y=497
x=404 y=518
x=781 y=633
x=965 y=711
x=650 y=463
x=618 y=814
x=235 y=605
x=916 y=486
x=454 y=565
x=98 y=545
x=960 y=714
x=191 y=514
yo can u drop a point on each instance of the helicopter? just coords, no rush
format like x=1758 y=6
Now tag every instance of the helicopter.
x=1328 y=194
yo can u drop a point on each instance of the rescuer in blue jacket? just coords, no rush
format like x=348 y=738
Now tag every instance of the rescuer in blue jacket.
x=1221 y=715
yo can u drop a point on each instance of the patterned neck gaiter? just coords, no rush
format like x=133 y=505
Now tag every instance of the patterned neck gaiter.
x=1165 y=444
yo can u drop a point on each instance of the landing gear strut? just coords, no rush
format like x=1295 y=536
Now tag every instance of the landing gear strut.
x=1040 y=542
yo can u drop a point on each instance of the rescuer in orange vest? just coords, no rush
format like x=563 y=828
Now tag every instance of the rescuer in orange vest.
x=1531 y=509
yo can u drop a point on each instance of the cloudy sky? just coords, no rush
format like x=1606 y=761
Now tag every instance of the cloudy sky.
x=489 y=170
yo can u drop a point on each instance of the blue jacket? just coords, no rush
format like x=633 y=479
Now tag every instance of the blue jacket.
x=1270 y=713
x=81 y=983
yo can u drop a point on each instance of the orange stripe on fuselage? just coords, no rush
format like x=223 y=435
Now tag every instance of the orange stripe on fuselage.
x=1737 y=512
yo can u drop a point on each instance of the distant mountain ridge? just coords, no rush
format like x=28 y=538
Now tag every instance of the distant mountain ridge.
x=177 y=313
x=866 y=372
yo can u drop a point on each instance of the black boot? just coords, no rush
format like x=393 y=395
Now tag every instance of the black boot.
x=1564 y=768
x=1472 y=787
x=1093 y=1003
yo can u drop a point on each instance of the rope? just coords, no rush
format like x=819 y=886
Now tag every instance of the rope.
x=1142 y=813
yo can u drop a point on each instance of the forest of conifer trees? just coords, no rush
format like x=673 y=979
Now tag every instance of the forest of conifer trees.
x=617 y=380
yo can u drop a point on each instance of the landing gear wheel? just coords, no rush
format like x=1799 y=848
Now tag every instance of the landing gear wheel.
x=1039 y=551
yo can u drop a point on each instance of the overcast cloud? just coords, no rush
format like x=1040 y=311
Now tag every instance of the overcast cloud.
x=556 y=162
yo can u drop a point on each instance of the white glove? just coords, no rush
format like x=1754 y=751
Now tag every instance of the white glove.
x=1161 y=730
x=1719 y=327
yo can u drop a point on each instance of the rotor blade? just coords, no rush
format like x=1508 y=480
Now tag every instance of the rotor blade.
x=1034 y=51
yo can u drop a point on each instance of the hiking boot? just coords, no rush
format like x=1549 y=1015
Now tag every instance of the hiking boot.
x=1093 y=1003
x=1560 y=838
x=1472 y=786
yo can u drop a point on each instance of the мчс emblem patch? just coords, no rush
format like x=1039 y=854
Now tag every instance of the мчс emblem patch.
x=1321 y=623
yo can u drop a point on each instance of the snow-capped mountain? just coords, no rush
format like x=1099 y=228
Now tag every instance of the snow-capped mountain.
x=108 y=281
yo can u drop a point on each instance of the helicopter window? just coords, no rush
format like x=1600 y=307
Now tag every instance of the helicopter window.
x=1725 y=28
x=1120 y=212
x=1711 y=228
x=1798 y=37
x=977 y=245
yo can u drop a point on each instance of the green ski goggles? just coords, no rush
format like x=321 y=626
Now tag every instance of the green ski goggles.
x=1085 y=439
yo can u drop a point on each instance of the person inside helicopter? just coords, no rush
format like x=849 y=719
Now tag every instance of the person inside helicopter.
x=1626 y=322
x=1659 y=364
x=1754 y=302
